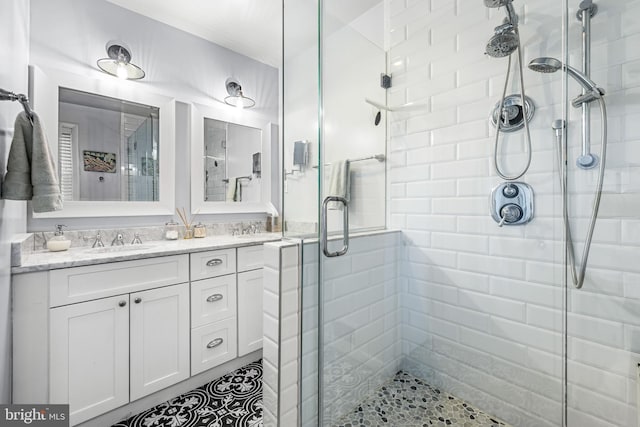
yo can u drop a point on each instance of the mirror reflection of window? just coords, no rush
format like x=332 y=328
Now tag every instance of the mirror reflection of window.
x=215 y=160
x=229 y=151
x=107 y=148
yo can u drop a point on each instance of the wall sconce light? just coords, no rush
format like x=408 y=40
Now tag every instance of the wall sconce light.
x=236 y=98
x=119 y=62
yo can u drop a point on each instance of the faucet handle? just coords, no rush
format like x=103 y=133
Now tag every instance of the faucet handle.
x=98 y=242
x=136 y=239
x=118 y=240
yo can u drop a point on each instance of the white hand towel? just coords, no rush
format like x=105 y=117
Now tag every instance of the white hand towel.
x=232 y=187
x=340 y=183
x=31 y=173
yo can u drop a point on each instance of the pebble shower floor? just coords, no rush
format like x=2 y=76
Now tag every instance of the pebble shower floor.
x=406 y=401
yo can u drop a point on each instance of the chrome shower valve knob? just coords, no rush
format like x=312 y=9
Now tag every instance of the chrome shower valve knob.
x=510 y=213
x=511 y=203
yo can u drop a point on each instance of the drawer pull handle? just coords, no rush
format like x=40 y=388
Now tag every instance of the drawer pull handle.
x=215 y=343
x=214 y=262
x=215 y=297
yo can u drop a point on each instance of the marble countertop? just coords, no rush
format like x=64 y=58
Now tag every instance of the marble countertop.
x=79 y=256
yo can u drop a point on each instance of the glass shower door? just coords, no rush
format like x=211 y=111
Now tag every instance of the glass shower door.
x=356 y=354
x=344 y=137
x=603 y=321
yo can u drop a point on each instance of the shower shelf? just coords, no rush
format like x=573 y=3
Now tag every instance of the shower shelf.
x=406 y=107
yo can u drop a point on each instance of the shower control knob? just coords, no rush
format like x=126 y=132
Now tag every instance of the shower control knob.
x=511 y=203
x=510 y=191
x=511 y=213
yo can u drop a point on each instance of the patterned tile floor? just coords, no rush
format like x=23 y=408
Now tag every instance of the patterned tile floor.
x=234 y=400
x=409 y=402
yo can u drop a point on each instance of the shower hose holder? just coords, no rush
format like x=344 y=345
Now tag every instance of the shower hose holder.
x=511 y=203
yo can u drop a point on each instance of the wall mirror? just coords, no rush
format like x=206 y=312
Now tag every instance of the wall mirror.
x=113 y=144
x=107 y=148
x=230 y=161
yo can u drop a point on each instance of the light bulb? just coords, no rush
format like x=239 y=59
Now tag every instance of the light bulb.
x=121 y=71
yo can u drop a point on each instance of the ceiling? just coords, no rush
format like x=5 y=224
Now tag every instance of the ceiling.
x=250 y=27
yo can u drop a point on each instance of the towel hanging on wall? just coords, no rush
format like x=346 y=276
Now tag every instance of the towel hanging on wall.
x=340 y=183
x=31 y=173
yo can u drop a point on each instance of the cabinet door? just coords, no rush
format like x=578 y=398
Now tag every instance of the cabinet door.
x=89 y=363
x=249 y=311
x=159 y=339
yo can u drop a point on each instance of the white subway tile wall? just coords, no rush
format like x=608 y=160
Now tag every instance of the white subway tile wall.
x=481 y=306
x=361 y=328
x=281 y=335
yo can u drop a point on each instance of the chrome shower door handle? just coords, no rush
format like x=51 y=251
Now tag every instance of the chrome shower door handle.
x=345 y=224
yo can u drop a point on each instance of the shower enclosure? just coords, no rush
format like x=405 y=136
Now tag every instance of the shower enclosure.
x=434 y=310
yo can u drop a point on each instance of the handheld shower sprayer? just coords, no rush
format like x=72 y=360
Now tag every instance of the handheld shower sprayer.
x=551 y=65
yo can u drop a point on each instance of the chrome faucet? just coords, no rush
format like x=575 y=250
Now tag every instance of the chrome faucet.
x=118 y=240
x=98 y=242
x=136 y=239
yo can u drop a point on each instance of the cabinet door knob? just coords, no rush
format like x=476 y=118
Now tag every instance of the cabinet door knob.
x=215 y=343
x=137 y=300
x=214 y=262
x=122 y=303
x=214 y=298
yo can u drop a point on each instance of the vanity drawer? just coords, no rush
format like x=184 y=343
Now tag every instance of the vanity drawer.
x=78 y=284
x=213 y=300
x=213 y=344
x=213 y=263
x=250 y=258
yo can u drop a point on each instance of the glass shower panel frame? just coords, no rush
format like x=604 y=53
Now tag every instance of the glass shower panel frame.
x=603 y=318
x=456 y=262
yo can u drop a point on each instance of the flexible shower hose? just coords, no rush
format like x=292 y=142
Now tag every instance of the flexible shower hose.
x=524 y=113
x=578 y=277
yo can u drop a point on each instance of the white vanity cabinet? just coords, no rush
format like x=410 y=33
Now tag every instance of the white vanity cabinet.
x=89 y=352
x=101 y=336
x=213 y=309
x=159 y=339
x=250 y=267
x=107 y=352
x=115 y=332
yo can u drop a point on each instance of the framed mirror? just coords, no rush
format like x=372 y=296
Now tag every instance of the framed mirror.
x=230 y=161
x=113 y=144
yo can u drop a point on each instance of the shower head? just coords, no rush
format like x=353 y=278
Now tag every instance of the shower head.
x=504 y=42
x=501 y=45
x=545 y=65
x=511 y=13
x=551 y=65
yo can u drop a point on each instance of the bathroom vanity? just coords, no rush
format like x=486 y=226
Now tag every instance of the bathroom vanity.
x=99 y=329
